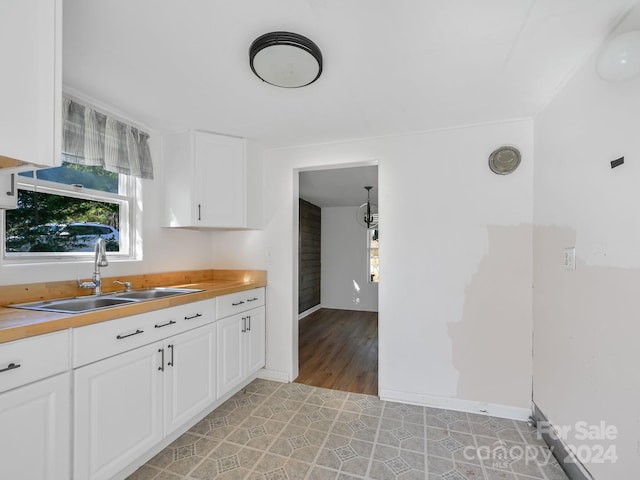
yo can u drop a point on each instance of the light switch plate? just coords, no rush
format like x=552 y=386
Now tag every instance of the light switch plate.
x=570 y=258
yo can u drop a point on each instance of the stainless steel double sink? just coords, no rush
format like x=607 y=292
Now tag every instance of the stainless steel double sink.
x=98 y=302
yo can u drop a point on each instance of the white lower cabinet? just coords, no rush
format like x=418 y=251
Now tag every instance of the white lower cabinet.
x=190 y=374
x=255 y=340
x=35 y=439
x=136 y=381
x=118 y=411
x=128 y=403
x=241 y=347
x=230 y=349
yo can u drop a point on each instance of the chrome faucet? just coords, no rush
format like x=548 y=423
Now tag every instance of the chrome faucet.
x=100 y=260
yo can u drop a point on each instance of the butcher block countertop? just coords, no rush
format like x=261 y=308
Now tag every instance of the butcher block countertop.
x=16 y=323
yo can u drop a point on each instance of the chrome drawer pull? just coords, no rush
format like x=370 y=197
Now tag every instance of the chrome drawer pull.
x=137 y=332
x=193 y=316
x=252 y=299
x=160 y=325
x=236 y=304
x=11 y=366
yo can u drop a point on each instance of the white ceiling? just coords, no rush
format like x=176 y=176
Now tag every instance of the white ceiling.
x=341 y=187
x=390 y=66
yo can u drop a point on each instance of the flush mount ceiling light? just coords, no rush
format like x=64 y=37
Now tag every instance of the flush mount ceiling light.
x=367 y=214
x=620 y=58
x=285 y=59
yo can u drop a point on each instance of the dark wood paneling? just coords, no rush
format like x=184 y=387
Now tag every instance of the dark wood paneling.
x=308 y=256
x=339 y=350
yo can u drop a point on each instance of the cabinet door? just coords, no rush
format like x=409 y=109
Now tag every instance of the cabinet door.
x=255 y=340
x=189 y=375
x=8 y=191
x=219 y=170
x=30 y=46
x=35 y=421
x=230 y=352
x=118 y=411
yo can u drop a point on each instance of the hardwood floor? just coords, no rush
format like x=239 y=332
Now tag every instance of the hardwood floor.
x=339 y=350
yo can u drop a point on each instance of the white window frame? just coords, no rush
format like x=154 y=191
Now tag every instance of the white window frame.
x=129 y=248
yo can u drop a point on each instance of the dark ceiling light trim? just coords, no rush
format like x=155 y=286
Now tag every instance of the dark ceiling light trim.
x=285 y=67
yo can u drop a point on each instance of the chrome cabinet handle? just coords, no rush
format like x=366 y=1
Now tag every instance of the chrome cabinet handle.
x=11 y=366
x=171 y=363
x=252 y=299
x=161 y=367
x=199 y=212
x=193 y=316
x=236 y=304
x=244 y=324
x=160 y=325
x=249 y=321
x=137 y=332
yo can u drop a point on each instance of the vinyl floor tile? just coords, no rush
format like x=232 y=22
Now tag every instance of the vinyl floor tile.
x=276 y=431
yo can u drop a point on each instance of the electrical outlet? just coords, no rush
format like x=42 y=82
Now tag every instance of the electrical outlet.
x=570 y=258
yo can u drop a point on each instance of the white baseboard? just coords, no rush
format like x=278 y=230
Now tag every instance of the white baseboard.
x=306 y=313
x=469 y=406
x=273 y=375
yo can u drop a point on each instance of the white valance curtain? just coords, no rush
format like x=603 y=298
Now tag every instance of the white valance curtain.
x=93 y=138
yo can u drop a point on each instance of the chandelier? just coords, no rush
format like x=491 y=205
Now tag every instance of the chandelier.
x=367 y=214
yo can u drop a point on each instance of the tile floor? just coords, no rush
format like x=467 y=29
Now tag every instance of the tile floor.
x=275 y=431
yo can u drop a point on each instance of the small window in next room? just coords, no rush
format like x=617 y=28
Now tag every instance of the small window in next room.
x=372 y=255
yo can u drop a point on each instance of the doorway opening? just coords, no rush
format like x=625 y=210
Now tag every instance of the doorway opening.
x=338 y=279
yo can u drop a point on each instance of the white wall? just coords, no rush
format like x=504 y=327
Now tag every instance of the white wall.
x=455 y=290
x=586 y=326
x=164 y=249
x=344 y=262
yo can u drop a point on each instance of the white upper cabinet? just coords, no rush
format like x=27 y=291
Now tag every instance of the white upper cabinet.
x=207 y=182
x=31 y=93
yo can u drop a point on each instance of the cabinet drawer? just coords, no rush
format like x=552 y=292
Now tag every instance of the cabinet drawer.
x=239 y=302
x=31 y=359
x=174 y=320
x=192 y=315
x=102 y=340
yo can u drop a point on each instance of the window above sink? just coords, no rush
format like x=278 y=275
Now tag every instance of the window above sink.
x=94 y=194
x=63 y=211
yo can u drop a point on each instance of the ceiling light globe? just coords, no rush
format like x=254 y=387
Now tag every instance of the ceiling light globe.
x=620 y=58
x=285 y=66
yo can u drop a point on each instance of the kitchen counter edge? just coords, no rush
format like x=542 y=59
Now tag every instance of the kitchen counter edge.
x=16 y=324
